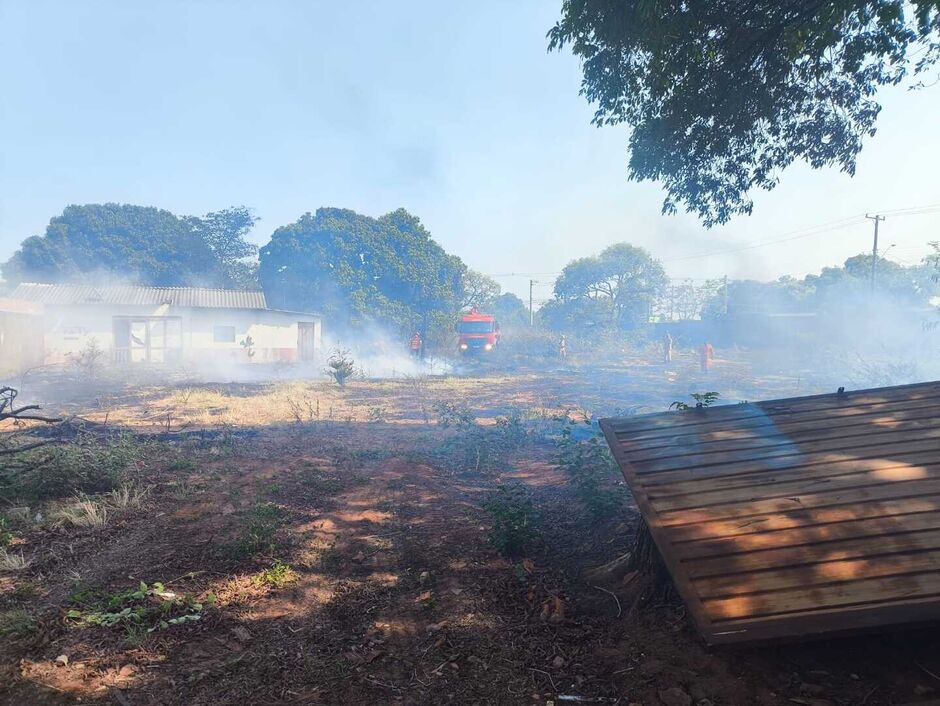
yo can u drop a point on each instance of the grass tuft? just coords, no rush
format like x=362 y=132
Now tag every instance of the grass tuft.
x=83 y=512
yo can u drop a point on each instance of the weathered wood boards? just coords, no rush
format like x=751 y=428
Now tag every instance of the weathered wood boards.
x=798 y=517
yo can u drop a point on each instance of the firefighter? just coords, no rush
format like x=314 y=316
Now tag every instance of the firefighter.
x=706 y=356
x=415 y=344
x=667 y=348
x=563 y=348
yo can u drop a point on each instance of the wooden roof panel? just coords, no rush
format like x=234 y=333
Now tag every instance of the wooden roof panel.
x=798 y=517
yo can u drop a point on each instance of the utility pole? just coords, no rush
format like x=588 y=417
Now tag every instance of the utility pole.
x=532 y=282
x=874 y=250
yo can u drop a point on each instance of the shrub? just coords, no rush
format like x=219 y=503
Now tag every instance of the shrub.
x=89 y=359
x=456 y=414
x=340 y=366
x=514 y=518
x=85 y=465
x=591 y=468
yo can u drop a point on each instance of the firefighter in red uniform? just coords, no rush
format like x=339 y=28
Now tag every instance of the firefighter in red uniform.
x=415 y=344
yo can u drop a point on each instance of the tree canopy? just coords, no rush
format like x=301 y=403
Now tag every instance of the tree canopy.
x=359 y=270
x=137 y=244
x=613 y=289
x=722 y=95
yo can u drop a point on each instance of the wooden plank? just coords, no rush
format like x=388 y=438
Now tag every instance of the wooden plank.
x=898 y=464
x=757 y=539
x=897 y=491
x=775 y=436
x=798 y=600
x=791 y=488
x=803 y=517
x=828 y=573
x=812 y=551
x=883 y=440
x=661 y=435
x=772 y=463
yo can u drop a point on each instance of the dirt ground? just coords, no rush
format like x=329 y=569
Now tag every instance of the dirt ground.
x=394 y=592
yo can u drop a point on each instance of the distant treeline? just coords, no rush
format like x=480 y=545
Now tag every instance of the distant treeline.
x=389 y=272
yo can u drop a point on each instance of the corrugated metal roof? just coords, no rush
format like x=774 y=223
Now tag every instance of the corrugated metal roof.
x=140 y=296
x=794 y=518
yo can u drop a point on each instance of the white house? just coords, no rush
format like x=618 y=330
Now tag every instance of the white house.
x=158 y=325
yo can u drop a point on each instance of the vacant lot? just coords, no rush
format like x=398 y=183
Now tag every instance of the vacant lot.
x=414 y=541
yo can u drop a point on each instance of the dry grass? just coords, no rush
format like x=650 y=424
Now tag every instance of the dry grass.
x=82 y=512
x=128 y=496
x=12 y=562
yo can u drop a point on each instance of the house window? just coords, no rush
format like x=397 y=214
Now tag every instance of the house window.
x=223 y=334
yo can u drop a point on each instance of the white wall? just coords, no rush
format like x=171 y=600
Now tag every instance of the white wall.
x=68 y=329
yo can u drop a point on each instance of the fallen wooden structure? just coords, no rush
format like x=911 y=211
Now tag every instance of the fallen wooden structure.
x=794 y=518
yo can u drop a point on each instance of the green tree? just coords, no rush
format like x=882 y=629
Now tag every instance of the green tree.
x=224 y=232
x=722 y=95
x=138 y=244
x=621 y=281
x=479 y=290
x=359 y=270
x=510 y=310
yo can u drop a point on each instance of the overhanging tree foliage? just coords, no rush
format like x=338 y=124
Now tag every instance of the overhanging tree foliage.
x=359 y=270
x=721 y=95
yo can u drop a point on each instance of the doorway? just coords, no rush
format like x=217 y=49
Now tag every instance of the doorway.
x=306 y=340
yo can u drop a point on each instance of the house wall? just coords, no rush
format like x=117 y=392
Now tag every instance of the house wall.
x=20 y=342
x=68 y=329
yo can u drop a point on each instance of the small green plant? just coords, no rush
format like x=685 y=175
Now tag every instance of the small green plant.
x=378 y=413
x=340 y=366
x=257 y=534
x=280 y=574
x=145 y=609
x=454 y=414
x=6 y=536
x=701 y=401
x=586 y=459
x=248 y=345
x=89 y=360
x=514 y=518
x=16 y=623
x=183 y=463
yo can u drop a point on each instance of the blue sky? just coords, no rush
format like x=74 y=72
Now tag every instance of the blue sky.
x=452 y=110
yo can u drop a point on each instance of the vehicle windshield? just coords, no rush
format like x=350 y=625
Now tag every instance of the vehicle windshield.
x=475 y=327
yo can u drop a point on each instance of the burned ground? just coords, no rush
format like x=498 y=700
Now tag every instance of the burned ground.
x=338 y=546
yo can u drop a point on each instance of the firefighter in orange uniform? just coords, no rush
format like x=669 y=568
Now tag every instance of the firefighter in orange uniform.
x=415 y=344
x=707 y=355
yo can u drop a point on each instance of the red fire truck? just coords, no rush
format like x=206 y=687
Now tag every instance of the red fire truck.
x=477 y=333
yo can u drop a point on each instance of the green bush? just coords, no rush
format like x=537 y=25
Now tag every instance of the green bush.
x=84 y=465
x=514 y=518
x=591 y=468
